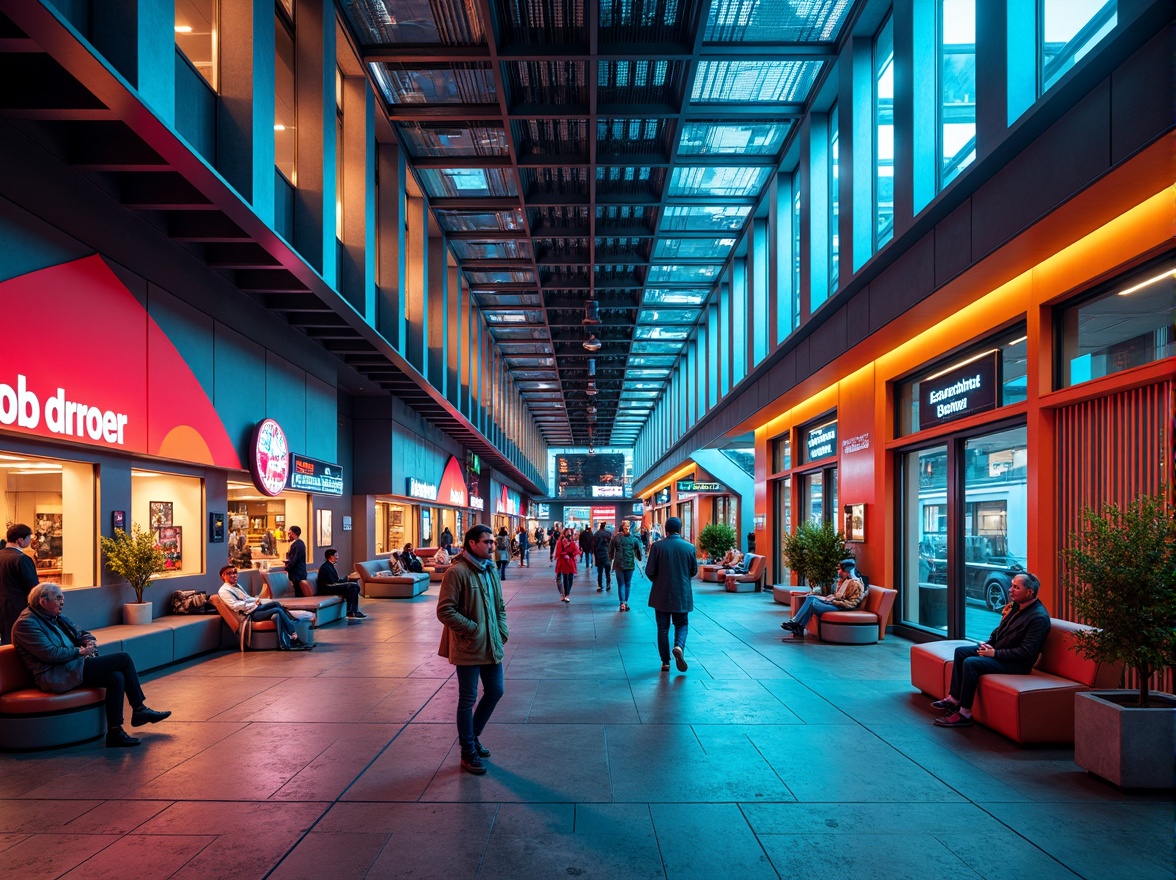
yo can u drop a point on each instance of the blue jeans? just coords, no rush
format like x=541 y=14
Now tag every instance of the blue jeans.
x=968 y=666
x=624 y=582
x=470 y=721
x=282 y=618
x=812 y=605
x=604 y=576
x=681 y=620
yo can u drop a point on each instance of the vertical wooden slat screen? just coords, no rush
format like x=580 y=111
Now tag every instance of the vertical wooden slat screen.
x=1110 y=450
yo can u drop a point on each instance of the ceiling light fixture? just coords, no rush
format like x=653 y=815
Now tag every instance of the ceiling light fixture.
x=592 y=343
x=591 y=389
x=591 y=313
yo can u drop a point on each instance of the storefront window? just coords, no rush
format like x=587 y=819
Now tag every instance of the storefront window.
x=395 y=526
x=196 y=35
x=259 y=526
x=686 y=514
x=983 y=377
x=783 y=526
x=963 y=557
x=726 y=511
x=56 y=500
x=172 y=506
x=782 y=454
x=1128 y=324
x=923 y=542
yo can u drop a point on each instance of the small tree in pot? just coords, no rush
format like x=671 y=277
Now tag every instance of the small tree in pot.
x=813 y=551
x=716 y=539
x=1120 y=574
x=136 y=557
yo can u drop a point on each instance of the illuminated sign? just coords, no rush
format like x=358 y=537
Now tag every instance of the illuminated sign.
x=662 y=497
x=638 y=507
x=477 y=502
x=311 y=475
x=858 y=443
x=962 y=391
x=421 y=489
x=699 y=486
x=269 y=457
x=608 y=491
x=541 y=511
x=821 y=441
x=453 y=485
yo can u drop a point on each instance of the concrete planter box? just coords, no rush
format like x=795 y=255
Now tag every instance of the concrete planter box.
x=1126 y=745
x=137 y=613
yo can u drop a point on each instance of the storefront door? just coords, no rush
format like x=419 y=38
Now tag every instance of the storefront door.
x=963 y=531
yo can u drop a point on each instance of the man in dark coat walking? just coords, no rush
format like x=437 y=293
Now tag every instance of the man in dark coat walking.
x=672 y=564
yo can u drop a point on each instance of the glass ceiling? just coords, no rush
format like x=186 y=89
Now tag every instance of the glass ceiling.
x=626 y=178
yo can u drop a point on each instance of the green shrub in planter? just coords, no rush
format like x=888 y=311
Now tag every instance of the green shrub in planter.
x=1120 y=575
x=813 y=551
x=716 y=539
x=136 y=557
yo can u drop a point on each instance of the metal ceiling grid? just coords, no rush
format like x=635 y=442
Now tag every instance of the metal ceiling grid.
x=594 y=154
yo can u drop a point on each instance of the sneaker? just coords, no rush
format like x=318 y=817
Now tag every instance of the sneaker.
x=358 y=615
x=471 y=763
x=600 y=589
x=945 y=703
x=955 y=719
x=679 y=659
x=117 y=738
x=797 y=636
x=143 y=715
x=665 y=667
x=482 y=751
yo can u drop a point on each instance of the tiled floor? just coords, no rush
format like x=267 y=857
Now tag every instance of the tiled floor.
x=766 y=759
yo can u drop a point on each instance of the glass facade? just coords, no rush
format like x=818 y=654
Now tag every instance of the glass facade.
x=884 y=135
x=957 y=87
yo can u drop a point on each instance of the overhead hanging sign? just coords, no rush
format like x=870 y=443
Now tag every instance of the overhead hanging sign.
x=312 y=475
x=662 y=497
x=453 y=485
x=699 y=486
x=963 y=391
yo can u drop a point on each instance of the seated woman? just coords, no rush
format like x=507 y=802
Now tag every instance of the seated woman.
x=733 y=559
x=441 y=557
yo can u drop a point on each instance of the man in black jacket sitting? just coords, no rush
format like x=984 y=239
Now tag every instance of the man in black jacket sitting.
x=1012 y=648
x=330 y=584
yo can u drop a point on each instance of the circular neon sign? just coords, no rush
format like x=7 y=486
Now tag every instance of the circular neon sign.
x=270 y=459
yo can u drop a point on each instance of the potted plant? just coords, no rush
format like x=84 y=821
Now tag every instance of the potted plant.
x=715 y=540
x=137 y=558
x=1120 y=574
x=813 y=551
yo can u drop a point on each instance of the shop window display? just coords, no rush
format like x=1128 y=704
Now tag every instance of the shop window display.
x=56 y=500
x=259 y=525
x=171 y=506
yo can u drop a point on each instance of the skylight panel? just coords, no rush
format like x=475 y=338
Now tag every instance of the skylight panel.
x=671 y=297
x=732 y=138
x=704 y=218
x=667 y=316
x=684 y=274
x=706 y=180
x=754 y=82
x=693 y=248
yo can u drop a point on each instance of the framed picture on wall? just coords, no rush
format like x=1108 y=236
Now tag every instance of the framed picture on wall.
x=161 y=514
x=324 y=528
x=171 y=543
x=855 y=522
x=47 y=539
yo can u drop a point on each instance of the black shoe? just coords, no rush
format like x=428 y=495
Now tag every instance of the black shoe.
x=482 y=751
x=471 y=763
x=665 y=667
x=679 y=659
x=357 y=615
x=797 y=636
x=600 y=589
x=143 y=715
x=117 y=738
x=945 y=703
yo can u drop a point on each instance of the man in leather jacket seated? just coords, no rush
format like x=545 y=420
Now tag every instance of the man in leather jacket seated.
x=1012 y=649
x=61 y=657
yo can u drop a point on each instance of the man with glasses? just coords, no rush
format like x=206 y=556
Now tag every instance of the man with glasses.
x=61 y=657
x=470 y=606
x=256 y=608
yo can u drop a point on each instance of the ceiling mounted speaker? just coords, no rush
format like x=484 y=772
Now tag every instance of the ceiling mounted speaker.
x=592 y=343
x=591 y=313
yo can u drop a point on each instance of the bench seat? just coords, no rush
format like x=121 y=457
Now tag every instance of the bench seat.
x=1028 y=709
x=377 y=582
x=32 y=719
x=326 y=609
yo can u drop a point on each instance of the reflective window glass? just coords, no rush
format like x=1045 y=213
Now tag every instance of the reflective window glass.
x=739 y=21
x=1069 y=30
x=731 y=138
x=834 y=202
x=662 y=273
x=172 y=506
x=725 y=82
x=718 y=181
x=196 y=37
x=923 y=543
x=694 y=218
x=884 y=135
x=672 y=297
x=1129 y=324
x=285 y=118
x=667 y=316
x=693 y=248
x=957 y=87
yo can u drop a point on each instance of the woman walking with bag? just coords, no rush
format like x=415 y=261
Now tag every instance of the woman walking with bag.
x=567 y=551
x=502 y=551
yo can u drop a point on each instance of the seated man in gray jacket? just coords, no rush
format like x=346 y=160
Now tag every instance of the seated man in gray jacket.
x=61 y=657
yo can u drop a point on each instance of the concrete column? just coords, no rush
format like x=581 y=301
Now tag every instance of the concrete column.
x=390 y=267
x=245 y=112
x=357 y=280
x=314 y=195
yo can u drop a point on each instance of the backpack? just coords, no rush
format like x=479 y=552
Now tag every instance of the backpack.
x=189 y=602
